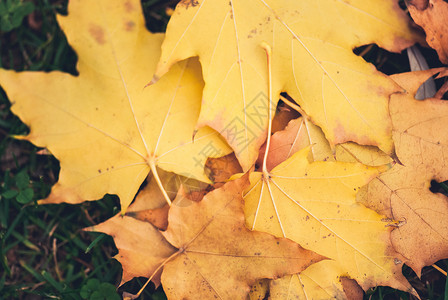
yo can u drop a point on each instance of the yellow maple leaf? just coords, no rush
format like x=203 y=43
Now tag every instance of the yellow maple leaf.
x=324 y=279
x=106 y=129
x=314 y=204
x=312 y=57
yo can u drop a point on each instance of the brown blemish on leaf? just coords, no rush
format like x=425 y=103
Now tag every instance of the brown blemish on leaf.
x=188 y=3
x=157 y=217
x=129 y=26
x=129 y=7
x=97 y=33
x=252 y=33
x=342 y=136
x=220 y=169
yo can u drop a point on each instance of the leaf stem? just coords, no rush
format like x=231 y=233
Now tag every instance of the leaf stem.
x=152 y=165
x=155 y=272
x=294 y=106
x=268 y=50
x=439 y=269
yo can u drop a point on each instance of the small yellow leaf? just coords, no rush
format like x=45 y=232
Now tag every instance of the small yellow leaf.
x=321 y=280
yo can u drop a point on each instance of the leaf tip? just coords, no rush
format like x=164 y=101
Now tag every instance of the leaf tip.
x=153 y=80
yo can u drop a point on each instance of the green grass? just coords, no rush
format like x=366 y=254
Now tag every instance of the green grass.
x=44 y=254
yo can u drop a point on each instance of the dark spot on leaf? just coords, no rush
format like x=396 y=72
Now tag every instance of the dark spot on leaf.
x=128 y=6
x=97 y=33
x=188 y=3
x=129 y=26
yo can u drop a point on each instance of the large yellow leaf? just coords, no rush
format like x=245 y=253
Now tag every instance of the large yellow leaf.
x=324 y=279
x=312 y=60
x=402 y=193
x=315 y=205
x=106 y=129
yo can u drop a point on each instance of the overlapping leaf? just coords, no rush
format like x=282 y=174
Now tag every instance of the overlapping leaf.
x=312 y=59
x=301 y=133
x=403 y=192
x=107 y=130
x=314 y=205
x=216 y=256
x=320 y=281
x=431 y=15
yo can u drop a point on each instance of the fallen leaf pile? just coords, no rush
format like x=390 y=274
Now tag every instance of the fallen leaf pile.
x=318 y=196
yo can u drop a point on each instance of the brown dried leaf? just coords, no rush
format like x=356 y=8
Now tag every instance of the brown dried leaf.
x=141 y=247
x=402 y=193
x=219 y=170
x=157 y=217
x=218 y=256
x=352 y=289
x=432 y=16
